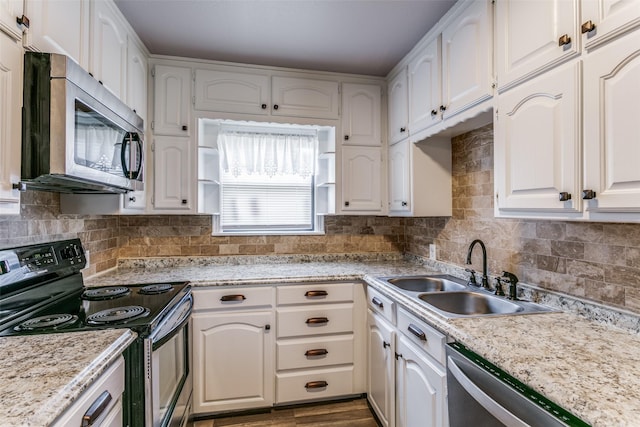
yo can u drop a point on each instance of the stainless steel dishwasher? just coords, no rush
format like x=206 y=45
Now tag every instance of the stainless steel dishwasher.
x=481 y=394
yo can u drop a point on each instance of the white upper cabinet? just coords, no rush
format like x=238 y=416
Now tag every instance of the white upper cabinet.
x=59 y=26
x=398 y=108
x=467 y=64
x=537 y=144
x=361 y=114
x=232 y=91
x=10 y=11
x=400 y=177
x=137 y=71
x=603 y=20
x=108 y=55
x=301 y=97
x=611 y=126
x=361 y=179
x=425 y=83
x=172 y=91
x=10 y=123
x=533 y=36
x=173 y=177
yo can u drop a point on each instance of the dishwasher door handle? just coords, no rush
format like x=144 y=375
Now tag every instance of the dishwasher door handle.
x=493 y=407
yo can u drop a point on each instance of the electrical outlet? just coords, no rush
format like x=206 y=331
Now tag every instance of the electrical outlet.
x=432 y=251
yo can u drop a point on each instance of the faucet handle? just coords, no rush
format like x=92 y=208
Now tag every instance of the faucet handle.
x=510 y=276
x=499 y=291
x=513 y=280
x=472 y=278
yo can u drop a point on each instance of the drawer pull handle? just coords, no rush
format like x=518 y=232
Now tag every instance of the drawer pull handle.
x=377 y=302
x=96 y=409
x=316 y=384
x=238 y=297
x=315 y=294
x=417 y=332
x=317 y=321
x=316 y=352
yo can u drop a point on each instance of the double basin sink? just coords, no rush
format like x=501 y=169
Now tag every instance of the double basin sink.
x=451 y=297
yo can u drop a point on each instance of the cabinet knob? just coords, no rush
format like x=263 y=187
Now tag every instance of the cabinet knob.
x=564 y=196
x=398 y=355
x=275 y=107
x=184 y=127
x=267 y=327
x=184 y=201
x=23 y=20
x=434 y=113
x=588 y=194
x=404 y=203
x=443 y=108
x=564 y=40
x=346 y=203
x=132 y=199
x=403 y=129
x=385 y=344
x=587 y=27
x=346 y=137
x=263 y=106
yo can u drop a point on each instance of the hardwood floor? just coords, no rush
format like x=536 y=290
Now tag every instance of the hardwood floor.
x=353 y=413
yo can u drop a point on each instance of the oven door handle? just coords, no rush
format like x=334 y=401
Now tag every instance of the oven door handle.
x=173 y=323
x=490 y=405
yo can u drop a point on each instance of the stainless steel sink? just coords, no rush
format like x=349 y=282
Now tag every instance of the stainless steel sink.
x=436 y=283
x=470 y=303
x=451 y=297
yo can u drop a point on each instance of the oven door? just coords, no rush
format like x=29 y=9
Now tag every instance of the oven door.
x=169 y=384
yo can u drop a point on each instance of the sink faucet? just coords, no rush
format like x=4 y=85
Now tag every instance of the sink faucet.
x=485 y=279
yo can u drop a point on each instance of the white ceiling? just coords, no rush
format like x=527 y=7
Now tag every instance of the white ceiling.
x=349 y=36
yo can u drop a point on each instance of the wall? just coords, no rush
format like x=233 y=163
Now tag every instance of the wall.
x=597 y=261
x=40 y=221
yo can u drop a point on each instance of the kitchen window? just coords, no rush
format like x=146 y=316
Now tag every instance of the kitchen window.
x=265 y=178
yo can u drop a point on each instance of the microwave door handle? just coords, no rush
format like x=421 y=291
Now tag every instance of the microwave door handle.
x=123 y=151
x=138 y=156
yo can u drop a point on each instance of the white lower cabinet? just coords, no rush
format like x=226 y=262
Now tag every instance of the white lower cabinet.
x=318 y=342
x=238 y=364
x=232 y=350
x=407 y=377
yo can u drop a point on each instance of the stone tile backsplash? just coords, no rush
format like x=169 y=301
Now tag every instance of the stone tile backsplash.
x=596 y=261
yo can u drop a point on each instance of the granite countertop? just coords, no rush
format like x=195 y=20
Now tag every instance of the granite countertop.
x=42 y=375
x=589 y=368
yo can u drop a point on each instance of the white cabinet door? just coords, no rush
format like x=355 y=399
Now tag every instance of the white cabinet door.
x=398 y=108
x=420 y=388
x=9 y=11
x=610 y=17
x=399 y=177
x=231 y=92
x=425 y=86
x=528 y=34
x=304 y=97
x=361 y=179
x=137 y=80
x=361 y=114
x=108 y=55
x=537 y=143
x=232 y=361
x=611 y=125
x=172 y=90
x=59 y=26
x=382 y=383
x=172 y=173
x=10 y=123
x=466 y=58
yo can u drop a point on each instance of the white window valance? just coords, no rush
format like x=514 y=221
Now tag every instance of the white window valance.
x=267 y=154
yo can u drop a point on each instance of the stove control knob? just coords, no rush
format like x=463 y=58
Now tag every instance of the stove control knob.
x=4 y=267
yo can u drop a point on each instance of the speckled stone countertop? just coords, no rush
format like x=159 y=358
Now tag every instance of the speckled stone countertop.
x=590 y=368
x=42 y=375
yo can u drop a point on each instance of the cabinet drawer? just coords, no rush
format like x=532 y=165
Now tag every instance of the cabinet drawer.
x=426 y=337
x=232 y=297
x=315 y=293
x=315 y=320
x=307 y=385
x=314 y=352
x=381 y=304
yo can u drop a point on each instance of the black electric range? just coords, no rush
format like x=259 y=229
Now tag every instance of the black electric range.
x=42 y=291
